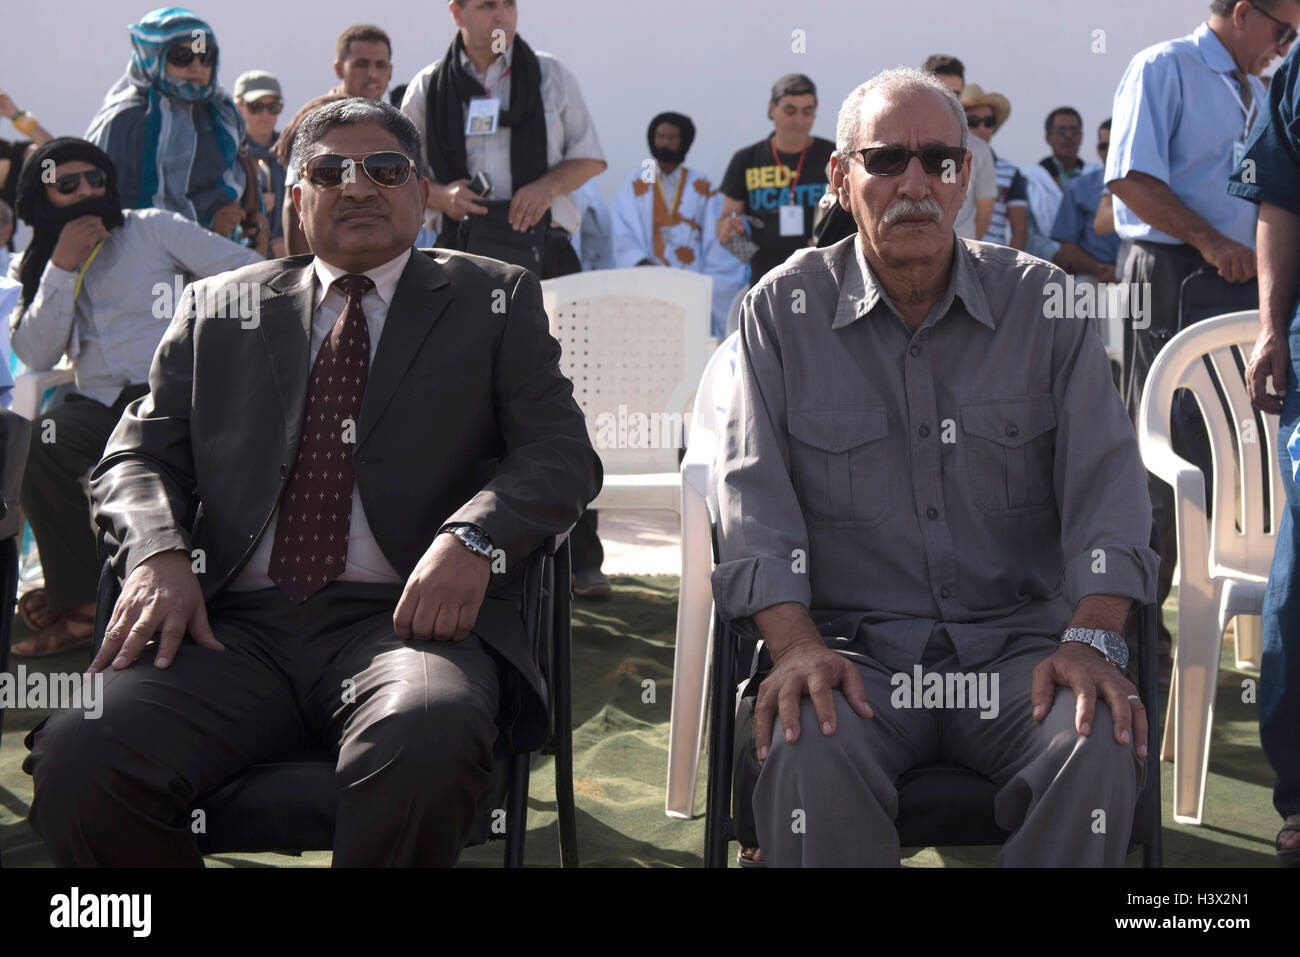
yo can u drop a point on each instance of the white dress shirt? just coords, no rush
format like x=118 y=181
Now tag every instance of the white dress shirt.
x=366 y=562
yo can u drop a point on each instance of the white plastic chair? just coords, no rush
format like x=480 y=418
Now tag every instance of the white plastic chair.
x=695 y=598
x=1223 y=564
x=635 y=342
x=30 y=387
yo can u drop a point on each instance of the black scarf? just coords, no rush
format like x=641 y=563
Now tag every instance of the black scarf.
x=451 y=87
x=47 y=220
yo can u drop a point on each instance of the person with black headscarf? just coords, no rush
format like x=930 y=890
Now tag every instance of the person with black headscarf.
x=492 y=108
x=99 y=284
x=664 y=216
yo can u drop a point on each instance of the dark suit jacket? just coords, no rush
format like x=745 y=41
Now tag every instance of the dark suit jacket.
x=466 y=418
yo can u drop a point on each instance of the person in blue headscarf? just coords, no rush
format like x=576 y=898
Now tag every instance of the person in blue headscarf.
x=171 y=131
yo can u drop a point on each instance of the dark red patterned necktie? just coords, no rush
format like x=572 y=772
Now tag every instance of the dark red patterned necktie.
x=311 y=537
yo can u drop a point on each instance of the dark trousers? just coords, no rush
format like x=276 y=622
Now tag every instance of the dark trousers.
x=413 y=724
x=67 y=442
x=1164 y=267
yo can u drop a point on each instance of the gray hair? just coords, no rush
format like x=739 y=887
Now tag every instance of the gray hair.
x=890 y=84
x=356 y=111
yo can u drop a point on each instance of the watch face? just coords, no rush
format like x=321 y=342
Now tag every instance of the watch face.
x=1116 y=647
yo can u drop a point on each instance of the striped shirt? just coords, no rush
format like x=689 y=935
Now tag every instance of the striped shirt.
x=1012 y=191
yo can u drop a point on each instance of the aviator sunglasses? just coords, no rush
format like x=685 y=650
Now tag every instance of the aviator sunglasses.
x=387 y=168
x=69 y=183
x=183 y=55
x=893 y=160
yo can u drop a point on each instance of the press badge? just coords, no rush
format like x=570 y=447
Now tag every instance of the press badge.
x=1238 y=151
x=481 y=117
x=791 y=220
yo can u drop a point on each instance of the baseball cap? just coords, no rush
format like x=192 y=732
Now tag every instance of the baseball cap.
x=793 y=84
x=256 y=84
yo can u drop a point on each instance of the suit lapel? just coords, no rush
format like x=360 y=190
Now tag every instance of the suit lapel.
x=284 y=325
x=422 y=294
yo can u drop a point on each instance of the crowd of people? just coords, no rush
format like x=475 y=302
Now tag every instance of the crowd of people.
x=491 y=151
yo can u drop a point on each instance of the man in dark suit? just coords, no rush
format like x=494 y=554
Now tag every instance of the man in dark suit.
x=224 y=497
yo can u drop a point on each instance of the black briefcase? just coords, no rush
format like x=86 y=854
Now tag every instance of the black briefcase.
x=490 y=234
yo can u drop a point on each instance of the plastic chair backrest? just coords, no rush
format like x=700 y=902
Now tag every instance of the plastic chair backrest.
x=634 y=344
x=1248 y=494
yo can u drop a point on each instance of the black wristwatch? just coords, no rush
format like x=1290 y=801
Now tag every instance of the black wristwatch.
x=473 y=538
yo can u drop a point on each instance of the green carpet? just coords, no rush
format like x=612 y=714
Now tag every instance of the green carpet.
x=621 y=757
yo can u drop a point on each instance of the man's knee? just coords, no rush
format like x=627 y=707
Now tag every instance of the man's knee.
x=429 y=743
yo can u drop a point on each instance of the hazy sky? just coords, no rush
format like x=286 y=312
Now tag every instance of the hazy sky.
x=714 y=60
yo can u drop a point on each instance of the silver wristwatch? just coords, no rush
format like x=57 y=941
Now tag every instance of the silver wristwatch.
x=1113 y=646
x=473 y=538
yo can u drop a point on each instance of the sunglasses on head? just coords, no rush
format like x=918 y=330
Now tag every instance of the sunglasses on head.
x=272 y=108
x=893 y=160
x=69 y=183
x=387 y=168
x=975 y=122
x=182 y=54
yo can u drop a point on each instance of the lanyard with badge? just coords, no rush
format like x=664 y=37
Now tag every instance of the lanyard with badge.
x=482 y=114
x=1248 y=114
x=792 y=216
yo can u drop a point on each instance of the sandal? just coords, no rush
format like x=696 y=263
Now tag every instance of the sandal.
x=58 y=638
x=1291 y=856
x=28 y=609
x=750 y=857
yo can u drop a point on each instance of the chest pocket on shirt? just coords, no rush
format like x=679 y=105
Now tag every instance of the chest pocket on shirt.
x=839 y=462
x=1009 y=452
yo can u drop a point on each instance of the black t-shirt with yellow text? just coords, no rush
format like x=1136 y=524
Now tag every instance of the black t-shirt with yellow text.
x=764 y=187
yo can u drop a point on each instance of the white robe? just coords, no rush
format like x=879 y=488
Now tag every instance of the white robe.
x=691 y=244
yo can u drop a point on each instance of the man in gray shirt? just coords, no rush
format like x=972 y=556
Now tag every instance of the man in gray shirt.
x=927 y=472
x=99 y=284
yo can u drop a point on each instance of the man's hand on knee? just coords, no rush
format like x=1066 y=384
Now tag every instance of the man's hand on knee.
x=1089 y=675
x=442 y=597
x=160 y=597
x=805 y=666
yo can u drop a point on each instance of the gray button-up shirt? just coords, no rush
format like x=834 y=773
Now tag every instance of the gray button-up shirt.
x=570 y=133
x=973 y=479
x=129 y=292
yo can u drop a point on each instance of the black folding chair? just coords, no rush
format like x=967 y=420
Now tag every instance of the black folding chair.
x=15 y=434
x=288 y=804
x=939 y=805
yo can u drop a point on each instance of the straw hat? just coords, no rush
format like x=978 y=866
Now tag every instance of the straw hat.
x=974 y=95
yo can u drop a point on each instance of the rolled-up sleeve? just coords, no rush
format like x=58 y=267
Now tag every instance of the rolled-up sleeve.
x=762 y=534
x=1101 y=485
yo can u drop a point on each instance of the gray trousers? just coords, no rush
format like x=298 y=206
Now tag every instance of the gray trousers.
x=413 y=724
x=831 y=801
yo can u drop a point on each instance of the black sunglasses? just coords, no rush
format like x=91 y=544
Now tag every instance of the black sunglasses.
x=272 y=108
x=331 y=170
x=893 y=160
x=69 y=183
x=975 y=122
x=1288 y=32
x=183 y=55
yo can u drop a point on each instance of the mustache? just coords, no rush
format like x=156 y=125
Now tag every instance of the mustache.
x=905 y=208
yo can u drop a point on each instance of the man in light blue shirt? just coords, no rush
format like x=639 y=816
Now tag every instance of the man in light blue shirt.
x=1181 y=116
x=1082 y=251
x=101 y=285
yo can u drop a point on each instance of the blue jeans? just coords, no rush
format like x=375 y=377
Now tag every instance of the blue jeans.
x=1279 y=679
